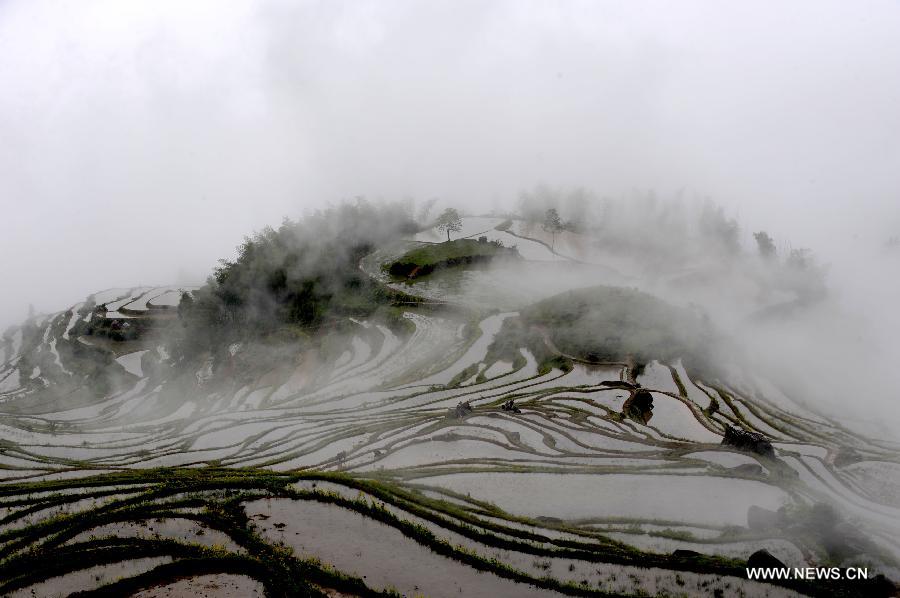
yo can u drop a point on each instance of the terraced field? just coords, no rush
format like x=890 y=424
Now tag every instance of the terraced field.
x=410 y=460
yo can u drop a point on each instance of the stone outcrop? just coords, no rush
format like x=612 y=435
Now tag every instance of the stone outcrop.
x=639 y=406
x=748 y=441
x=764 y=559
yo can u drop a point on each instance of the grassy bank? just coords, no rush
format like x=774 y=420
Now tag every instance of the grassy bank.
x=430 y=257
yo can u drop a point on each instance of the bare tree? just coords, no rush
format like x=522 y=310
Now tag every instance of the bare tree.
x=449 y=221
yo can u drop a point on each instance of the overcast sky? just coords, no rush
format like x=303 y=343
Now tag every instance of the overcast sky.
x=139 y=141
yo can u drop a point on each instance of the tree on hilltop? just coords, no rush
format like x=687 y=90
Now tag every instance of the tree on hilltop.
x=765 y=244
x=449 y=222
x=552 y=224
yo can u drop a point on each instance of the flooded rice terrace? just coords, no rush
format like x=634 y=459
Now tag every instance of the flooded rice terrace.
x=414 y=463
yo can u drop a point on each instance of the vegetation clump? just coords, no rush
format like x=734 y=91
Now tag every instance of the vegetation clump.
x=639 y=406
x=510 y=406
x=462 y=409
x=608 y=324
x=287 y=281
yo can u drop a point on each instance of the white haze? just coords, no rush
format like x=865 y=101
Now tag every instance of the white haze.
x=142 y=140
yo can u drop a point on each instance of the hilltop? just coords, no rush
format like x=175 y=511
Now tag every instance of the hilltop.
x=429 y=257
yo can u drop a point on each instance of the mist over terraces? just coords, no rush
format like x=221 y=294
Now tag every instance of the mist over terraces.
x=514 y=409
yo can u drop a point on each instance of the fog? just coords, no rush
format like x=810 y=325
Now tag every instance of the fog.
x=143 y=140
